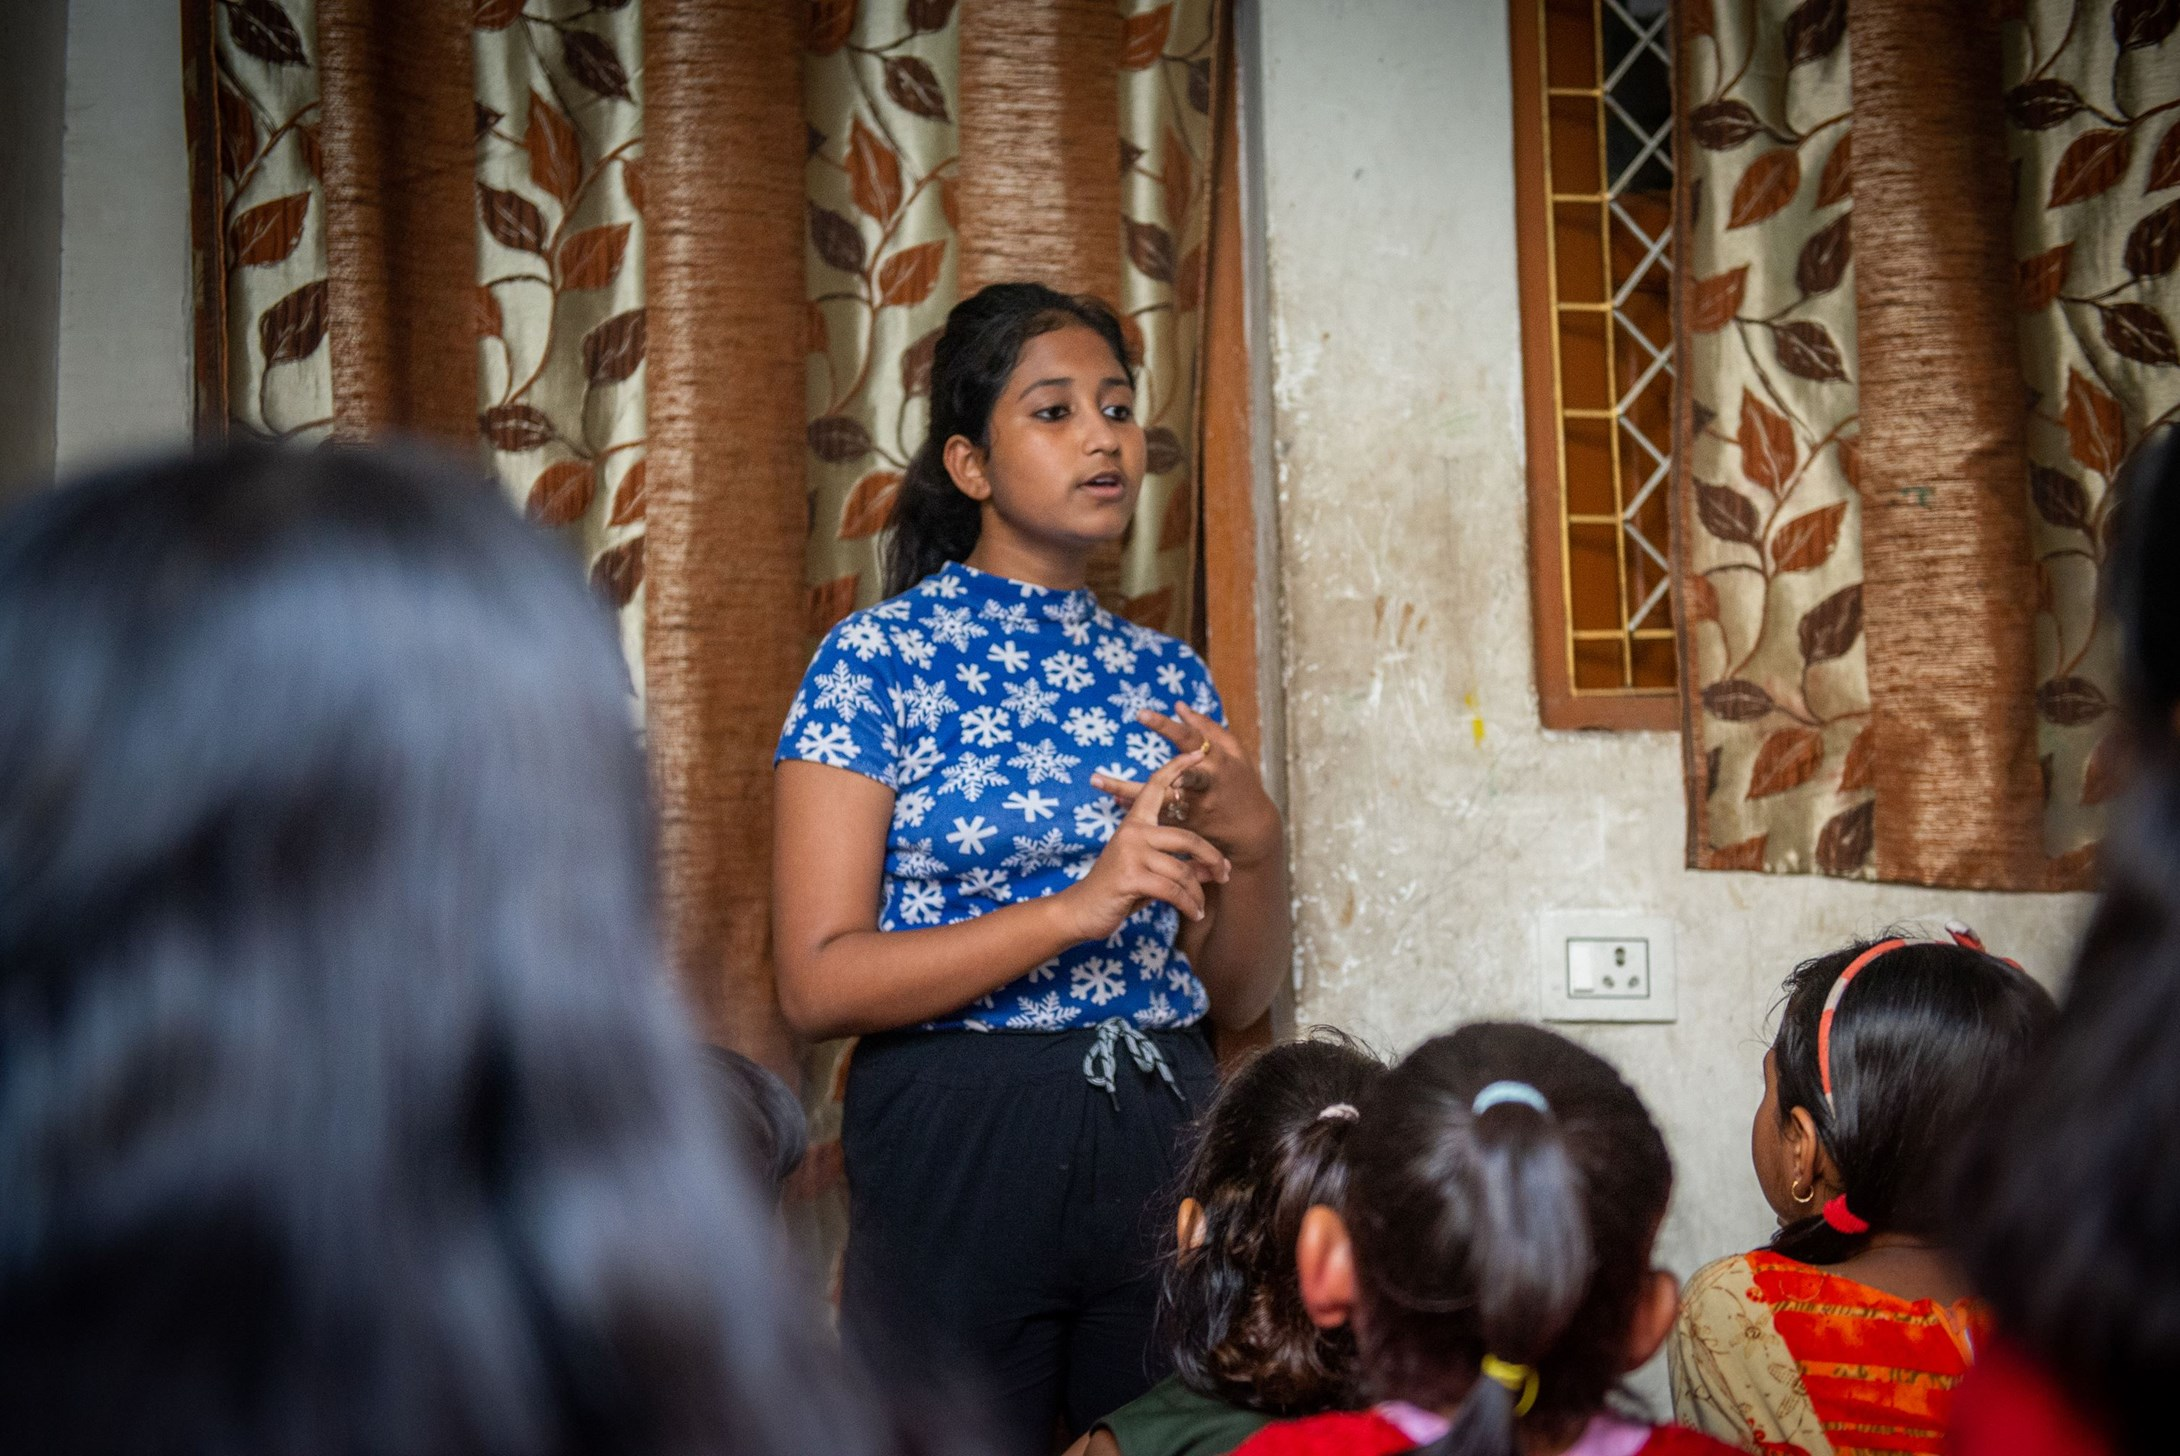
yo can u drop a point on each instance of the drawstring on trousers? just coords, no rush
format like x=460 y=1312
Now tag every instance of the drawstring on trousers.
x=1101 y=1066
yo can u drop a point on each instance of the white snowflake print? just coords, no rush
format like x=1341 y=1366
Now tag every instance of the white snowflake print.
x=919 y=761
x=796 y=712
x=845 y=692
x=986 y=727
x=1178 y=975
x=1149 y=749
x=920 y=902
x=895 y=610
x=1146 y=639
x=1150 y=958
x=1069 y=672
x=1079 y=870
x=1159 y=1012
x=971 y=774
x=1116 y=656
x=952 y=626
x=921 y=704
x=1132 y=699
x=969 y=834
x=986 y=884
x=1030 y=703
x=1096 y=820
x=1097 y=980
x=943 y=586
x=1045 y=972
x=830 y=744
x=1118 y=771
x=909 y=809
x=1198 y=1002
x=1032 y=806
x=1043 y=761
x=1090 y=725
x=1043 y=1013
x=1008 y=656
x=1172 y=679
x=1070 y=610
x=1077 y=633
x=1011 y=617
x=915 y=861
x=865 y=638
x=1032 y=855
x=1205 y=701
x=972 y=677
x=910 y=644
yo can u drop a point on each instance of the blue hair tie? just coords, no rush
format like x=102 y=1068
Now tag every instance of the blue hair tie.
x=1499 y=1092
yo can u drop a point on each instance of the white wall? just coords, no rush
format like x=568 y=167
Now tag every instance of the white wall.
x=124 y=339
x=1425 y=848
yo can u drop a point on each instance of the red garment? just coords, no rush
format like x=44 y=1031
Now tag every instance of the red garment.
x=2008 y=1406
x=1366 y=1433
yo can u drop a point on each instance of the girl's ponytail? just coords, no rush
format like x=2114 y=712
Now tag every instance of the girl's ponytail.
x=932 y=521
x=1506 y=1186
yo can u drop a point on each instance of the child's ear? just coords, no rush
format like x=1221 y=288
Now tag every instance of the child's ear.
x=1325 y=1260
x=1188 y=1226
x=965 y=463
x=1655 y=1310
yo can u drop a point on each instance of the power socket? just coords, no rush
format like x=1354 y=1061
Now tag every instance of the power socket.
x=1605 y=965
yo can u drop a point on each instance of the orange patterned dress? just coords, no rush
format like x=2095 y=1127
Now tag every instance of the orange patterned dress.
x=1782 y=1358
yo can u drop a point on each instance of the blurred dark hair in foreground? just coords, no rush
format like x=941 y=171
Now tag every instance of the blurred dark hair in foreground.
x=344 y=1103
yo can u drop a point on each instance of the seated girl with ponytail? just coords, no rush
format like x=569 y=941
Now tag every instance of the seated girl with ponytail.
x=1855 y=1325
x=1243 y=1349
x=1505 y=1187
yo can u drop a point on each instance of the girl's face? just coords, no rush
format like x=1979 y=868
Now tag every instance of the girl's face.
x=1064 y=461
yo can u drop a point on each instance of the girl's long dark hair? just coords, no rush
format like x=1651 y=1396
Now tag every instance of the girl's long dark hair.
x=1925 y=1039
x=345 y=1106
x=1231 y=1307
x=1516 y=1233
x=933 y=522
x=2070 y=1204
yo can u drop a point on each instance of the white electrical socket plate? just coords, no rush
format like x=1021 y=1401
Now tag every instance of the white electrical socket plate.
x=1605 y=965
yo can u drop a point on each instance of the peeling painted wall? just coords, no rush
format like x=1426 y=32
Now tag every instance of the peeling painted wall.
x=1432 y=819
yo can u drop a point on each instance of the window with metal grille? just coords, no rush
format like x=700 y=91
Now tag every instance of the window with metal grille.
x=1593 y=129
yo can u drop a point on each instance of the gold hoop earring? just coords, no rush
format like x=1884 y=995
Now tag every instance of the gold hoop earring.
x=1803 y=1199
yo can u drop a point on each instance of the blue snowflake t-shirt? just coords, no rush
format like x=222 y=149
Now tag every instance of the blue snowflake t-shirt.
x=985 y=704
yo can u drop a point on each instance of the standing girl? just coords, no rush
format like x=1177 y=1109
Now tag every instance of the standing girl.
x=980 y=868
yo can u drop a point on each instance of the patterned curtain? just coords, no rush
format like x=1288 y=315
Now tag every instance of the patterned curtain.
x=1893 y=662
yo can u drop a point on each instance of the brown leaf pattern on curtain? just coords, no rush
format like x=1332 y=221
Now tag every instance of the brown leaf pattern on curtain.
x=272 y=218
x=1771 y=597
x=2093 y=112
x=560 y=283
x=1168 y=51
x=878 y=95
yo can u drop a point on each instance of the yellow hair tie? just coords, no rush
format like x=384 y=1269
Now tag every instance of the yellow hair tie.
x=1518 y=1378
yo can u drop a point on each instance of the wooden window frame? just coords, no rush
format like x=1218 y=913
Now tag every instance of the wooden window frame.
x=1561 y=704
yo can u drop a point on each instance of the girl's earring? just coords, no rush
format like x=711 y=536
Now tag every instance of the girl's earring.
x=1801 y=1197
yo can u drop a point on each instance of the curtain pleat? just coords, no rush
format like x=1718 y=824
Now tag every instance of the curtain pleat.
x=1169 y=69
x=1039 y=191
x=1946 y=599
x=725 y=506
x=259 y=222
x=880 y=105
x=2091 y=95
x=399 y=157
x=553 y=309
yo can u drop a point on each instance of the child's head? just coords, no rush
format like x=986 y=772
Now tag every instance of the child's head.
x=1505 y=1187
x=1271 y=1148
x=1032 y=426
x=1886 y=1051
